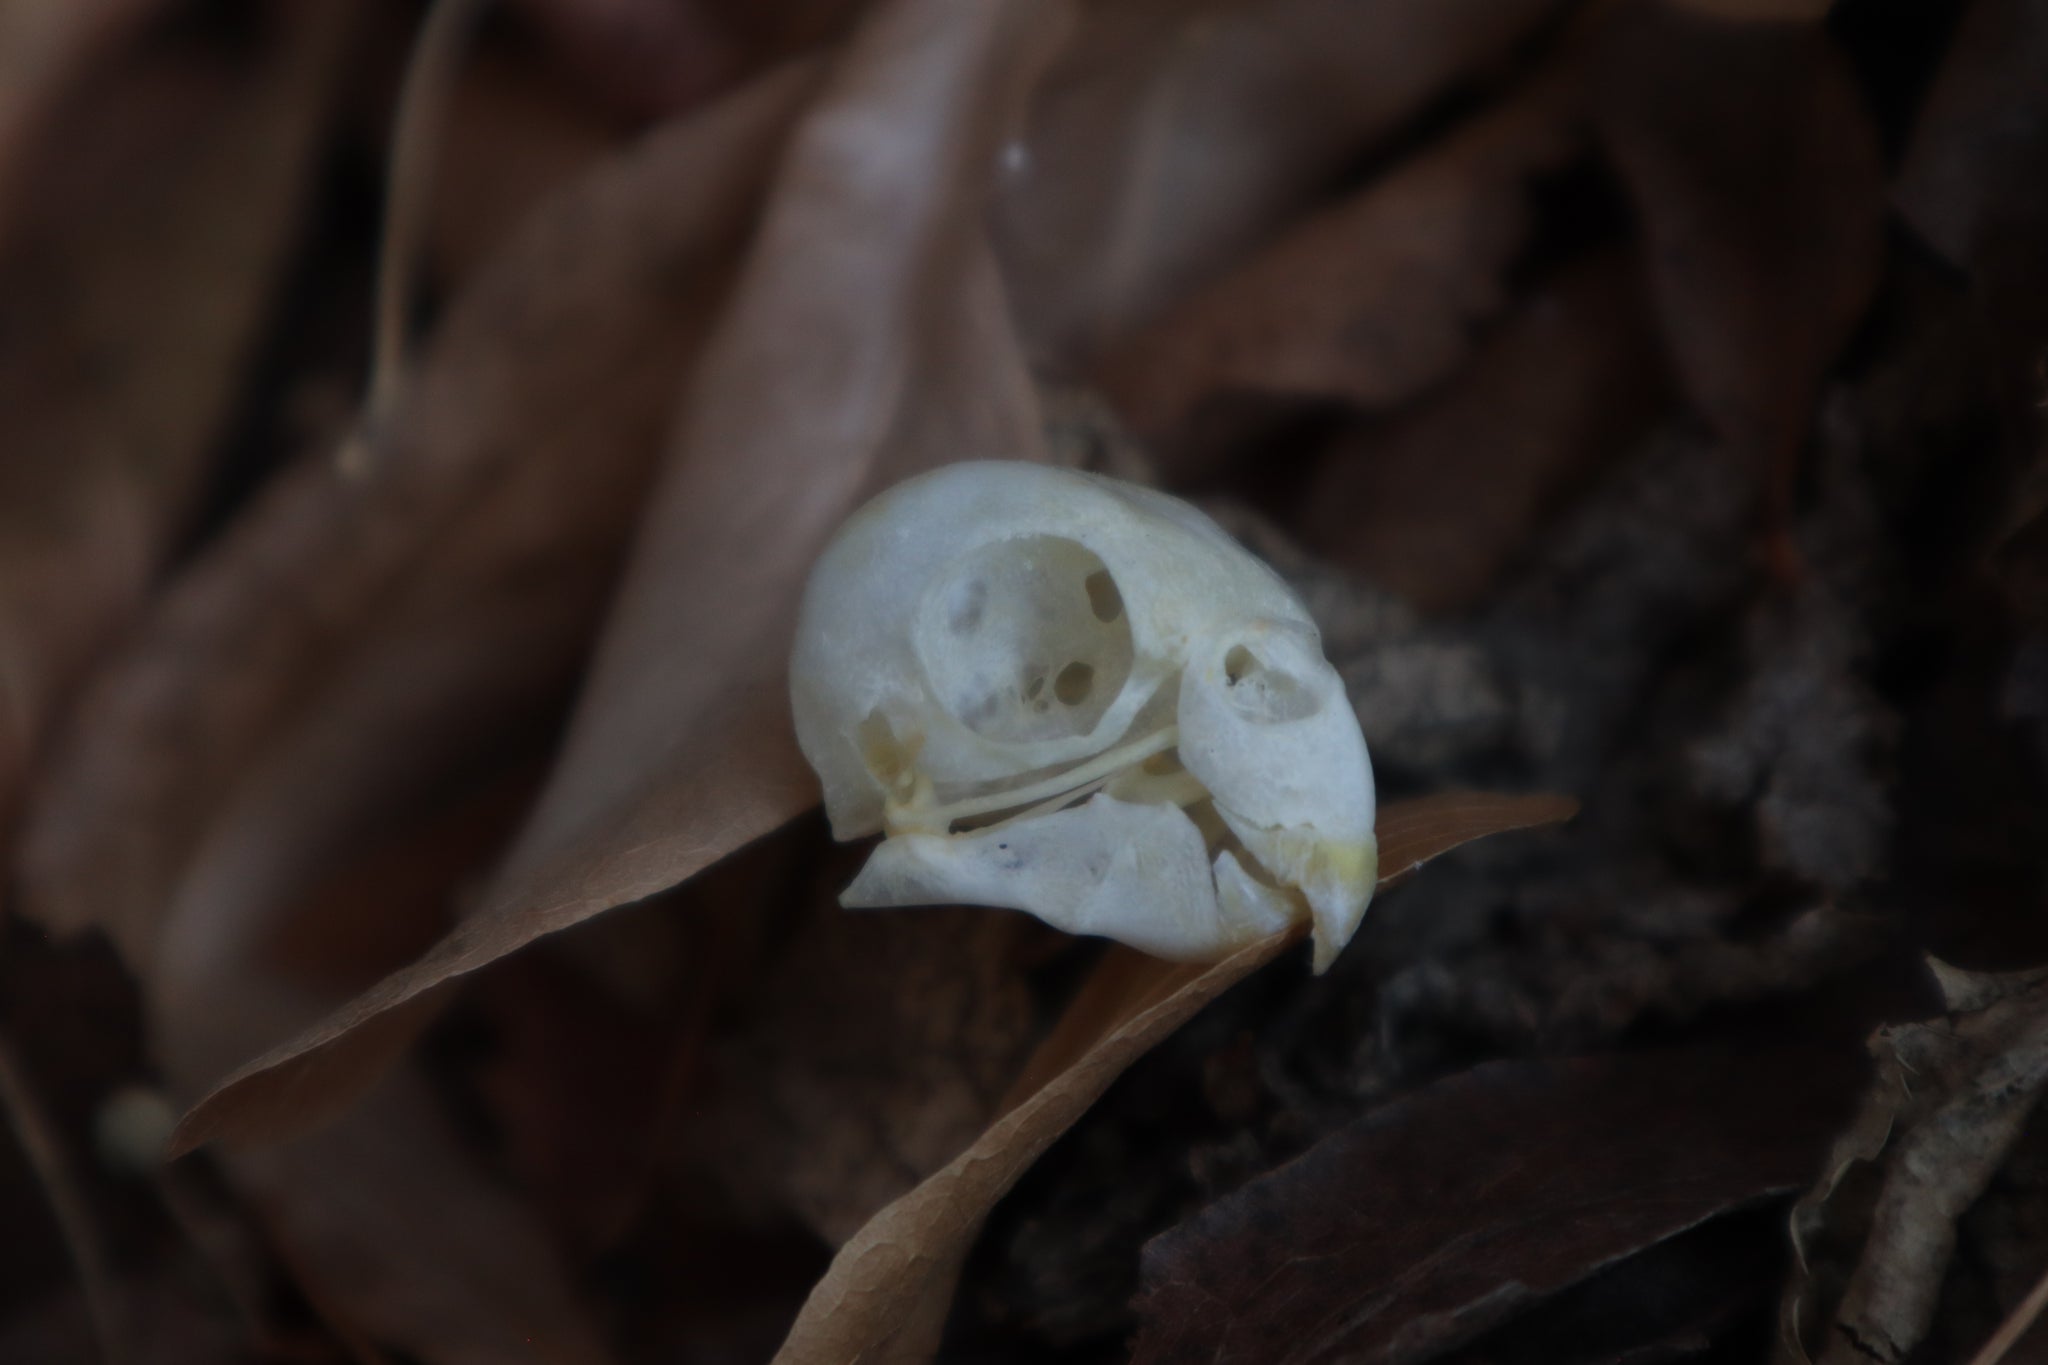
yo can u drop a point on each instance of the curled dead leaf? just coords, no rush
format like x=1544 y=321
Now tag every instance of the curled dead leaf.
x=1950 y=1099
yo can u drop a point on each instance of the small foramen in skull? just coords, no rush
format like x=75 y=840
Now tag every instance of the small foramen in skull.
x=1063 y=694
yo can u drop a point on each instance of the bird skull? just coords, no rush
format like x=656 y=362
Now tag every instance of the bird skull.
x=1079 y=698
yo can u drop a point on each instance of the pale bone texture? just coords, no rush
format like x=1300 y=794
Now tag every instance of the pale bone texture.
x=1072 y=696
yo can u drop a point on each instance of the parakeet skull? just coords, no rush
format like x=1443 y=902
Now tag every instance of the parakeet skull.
x=1079 y=698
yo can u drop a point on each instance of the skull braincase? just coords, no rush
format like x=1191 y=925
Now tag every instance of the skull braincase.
x=1080 y=698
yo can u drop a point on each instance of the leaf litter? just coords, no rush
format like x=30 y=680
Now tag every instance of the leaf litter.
x=1560 y=356
x=1170 y=138
x=162 y=739
x=137 y=282
x=639 y=804
x=885 y=1296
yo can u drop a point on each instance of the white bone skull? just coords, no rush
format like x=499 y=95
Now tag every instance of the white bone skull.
x=1080 y=698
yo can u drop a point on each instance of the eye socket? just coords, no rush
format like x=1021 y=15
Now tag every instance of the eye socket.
x=1263 y=692
x=1026 y=639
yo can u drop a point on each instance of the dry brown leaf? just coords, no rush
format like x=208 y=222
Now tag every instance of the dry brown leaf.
x=1370 y=300
x=2016 y=1325
x=883 y=1299
x=1435 y=501
x=1414 y=831
x=647 y=57
x=885 y=1296
x=510 y=139
x=1171 y=138
x=1761 y=11
x=135 y=291
x=27 y=1120
x=370 y=694
x=392 y=1228
x=2020 y=560
x=183 y=1327
x=1437 y=1216
x=872 y=1050
x=45 y=45
x=1757 y=175
x=457 y=575
x=866 y=339
x=580 y=1087
x=1970 y=182
x=682 y=748
x=389 y=1224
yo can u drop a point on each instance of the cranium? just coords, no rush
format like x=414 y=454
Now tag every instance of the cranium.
x=1080 y=698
